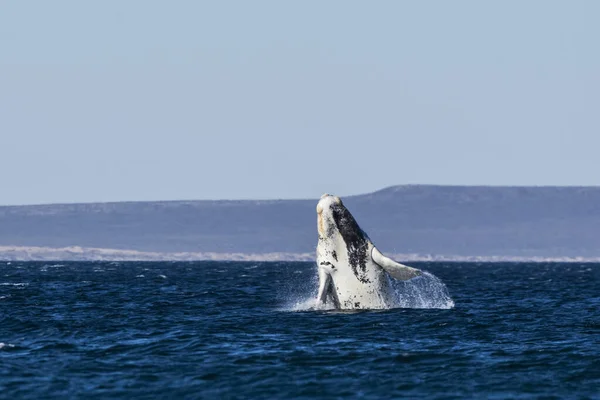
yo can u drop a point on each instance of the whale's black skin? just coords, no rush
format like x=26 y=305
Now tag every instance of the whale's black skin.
x=357 y=241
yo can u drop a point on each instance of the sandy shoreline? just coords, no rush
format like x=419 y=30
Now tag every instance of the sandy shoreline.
x=76 y=253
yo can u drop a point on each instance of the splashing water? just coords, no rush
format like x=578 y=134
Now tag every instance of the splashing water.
x=301 y=295
x=310 y=304
x=425 y=291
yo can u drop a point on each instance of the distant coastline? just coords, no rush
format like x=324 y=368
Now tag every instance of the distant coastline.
x=77 y=253
x=408 y=222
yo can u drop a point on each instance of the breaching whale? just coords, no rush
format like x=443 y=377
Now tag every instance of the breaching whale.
x=353 y=274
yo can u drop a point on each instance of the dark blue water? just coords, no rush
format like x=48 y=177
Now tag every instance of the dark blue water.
x=228 y=330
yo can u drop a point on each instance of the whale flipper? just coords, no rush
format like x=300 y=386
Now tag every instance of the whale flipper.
x=396 y=270
x=324 y=285
x=327 y=293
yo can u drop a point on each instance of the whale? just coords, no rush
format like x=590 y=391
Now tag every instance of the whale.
x=352 y=272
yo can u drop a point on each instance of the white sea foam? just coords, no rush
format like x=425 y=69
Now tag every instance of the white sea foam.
x=45 y=267
x=14 y=284
x=2 y=345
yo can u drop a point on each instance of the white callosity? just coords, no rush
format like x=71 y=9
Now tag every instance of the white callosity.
x=353 y=274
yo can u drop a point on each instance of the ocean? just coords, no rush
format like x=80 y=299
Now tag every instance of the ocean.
x=232 y=330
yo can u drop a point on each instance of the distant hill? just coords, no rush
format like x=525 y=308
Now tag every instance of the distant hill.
x=419 y=219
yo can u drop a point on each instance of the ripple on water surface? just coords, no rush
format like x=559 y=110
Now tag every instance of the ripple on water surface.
x=209 y=329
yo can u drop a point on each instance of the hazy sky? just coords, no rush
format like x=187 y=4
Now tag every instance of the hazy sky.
x=147 y=100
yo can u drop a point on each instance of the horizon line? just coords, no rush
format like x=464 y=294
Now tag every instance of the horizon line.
x=42 y=204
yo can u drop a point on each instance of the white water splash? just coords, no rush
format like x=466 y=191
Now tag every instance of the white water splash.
x=310 y=304
x=425 y=291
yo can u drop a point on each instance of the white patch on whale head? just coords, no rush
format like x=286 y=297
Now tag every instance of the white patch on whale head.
x=325 y=221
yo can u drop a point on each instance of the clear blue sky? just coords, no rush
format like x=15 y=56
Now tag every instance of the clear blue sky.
x=145 y=100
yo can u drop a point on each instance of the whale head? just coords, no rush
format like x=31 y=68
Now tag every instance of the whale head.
x=334 y=220
x=352 y=272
